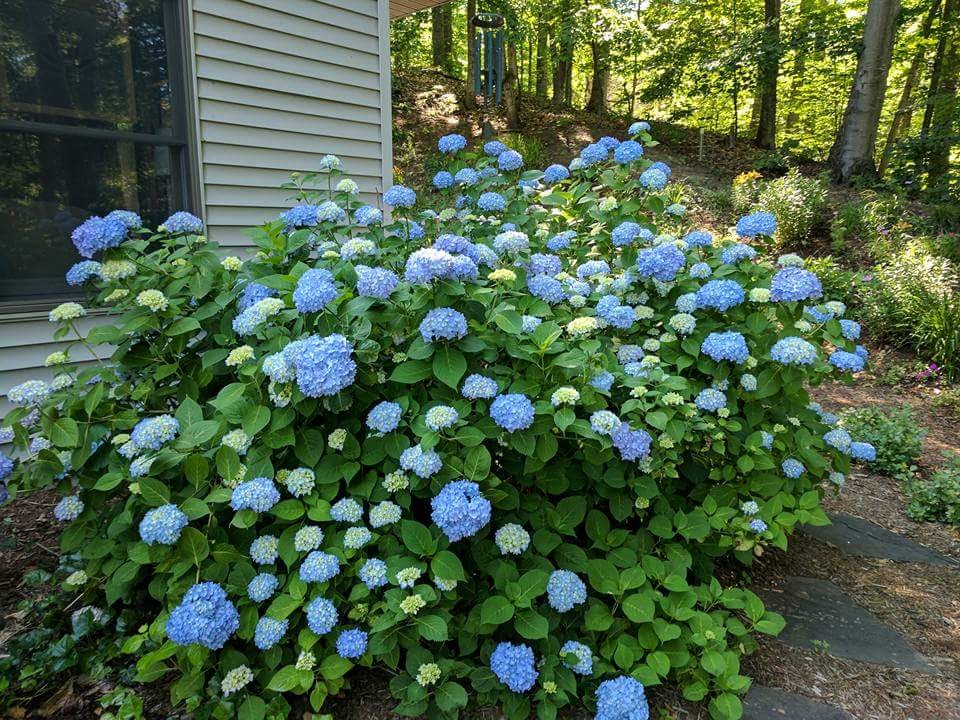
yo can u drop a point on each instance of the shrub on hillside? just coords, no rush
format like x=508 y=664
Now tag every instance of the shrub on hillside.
x=937 y=497
x=797 y=203
x=894 y=433
x=745 y=190
x=498 y=449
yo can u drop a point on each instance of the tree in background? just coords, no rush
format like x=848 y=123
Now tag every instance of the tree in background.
x=940 y=116
x=852 y=151
x=769 y=72
x=441 y=18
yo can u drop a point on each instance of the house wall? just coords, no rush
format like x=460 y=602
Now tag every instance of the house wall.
x=276 y=85
x=279 y=84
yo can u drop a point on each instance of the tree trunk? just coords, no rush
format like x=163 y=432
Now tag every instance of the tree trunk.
x=542 y=61
x=441 y=18
x=769 y=70
x=469 y=98
x=511 y=95
x=943 y=106
x=600 y=81
x=735 y=95
x=852 y=151
x=799 y=67
x=901 y=118
x=562 y=66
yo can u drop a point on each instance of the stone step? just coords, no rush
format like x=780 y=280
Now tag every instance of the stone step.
x=763 y=703
x=820 y=616
x=856 y=536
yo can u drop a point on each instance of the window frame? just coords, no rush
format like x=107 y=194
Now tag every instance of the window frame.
x=181 y=141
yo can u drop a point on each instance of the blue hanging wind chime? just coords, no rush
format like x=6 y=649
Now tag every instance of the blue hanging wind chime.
x=488 y=59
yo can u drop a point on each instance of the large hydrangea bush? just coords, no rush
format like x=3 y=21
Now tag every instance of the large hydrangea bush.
x=503 y=447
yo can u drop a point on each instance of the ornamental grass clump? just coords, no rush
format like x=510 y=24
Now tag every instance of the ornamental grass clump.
x=497 y=448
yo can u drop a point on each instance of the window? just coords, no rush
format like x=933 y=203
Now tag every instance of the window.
x=92 y=118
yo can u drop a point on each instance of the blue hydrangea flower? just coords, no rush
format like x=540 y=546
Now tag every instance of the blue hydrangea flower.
x=491 y=202
x=428 y=264
x=96 y=234
x=698 y=238
x=529 y=323
x=493 y=148
x=509 y=160
x=700 y=271
x=83 y=271
x=627 y=152
x=633 y=445
x=850 y=329
x=792 y=468
x=793 y=351
x=451 y=144
x=264 y=549
x=422 y=463
x=307 y=538
x=511 y=241
x=373 y=573
x=561 y=240
x=367 y=215
x=543 y=264
x=653 y=179
x=375 y=282
x=609 y=142
x=758 y=223
x=732 y=254
x=839 y=439
x=710 y=399
x=512 y=539
x=460 y=510
x=794 y=284
x=346 y=510
x=414 y=229
x=582 y=661
x=757 y=525
x=322 y=615
x=624 y=233
x=319 y=567
x=384 y=417
x=638 y=127
x=548 y=289
x=441 y=417
x=323 y=365
x=6 y=466
x=478 y=386
x=254 y=293
x=602 y=381
x=183 y=223
x=329 y=211
x=299 y=216
x=661 y=262
x=204 y=617
x=443 y=324
x=593 y=154
x=356 y=537
x=514 y=666
x=352 y=644
x=162 y=525
x=315 y=290
x=748 y=382
x=728 y=345
x=662 y=167
x=269 y=632
x=604 y=422
x=565 y=590
x=155 y=432
x=262 y=587
x=592 y=268
x=132 y=221
x=259 y=495
x=847 y=361
x=68 y=509
x=720 y=295
x=622 y=698
x=863 y=451
x=555 y=173
x=512 y=412
x=466 y=177
x=400 y=196
x=442 y=180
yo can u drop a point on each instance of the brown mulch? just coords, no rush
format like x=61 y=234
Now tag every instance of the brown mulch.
x=29 y=540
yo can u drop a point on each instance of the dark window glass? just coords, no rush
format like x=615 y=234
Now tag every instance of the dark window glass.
x=92 y=118
x=50 y=184
x=95 y=63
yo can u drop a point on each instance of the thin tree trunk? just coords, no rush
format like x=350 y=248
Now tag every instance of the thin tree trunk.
x=441 y=18
x=769 y=70
x=936 y=69
x=469 y=98
x=852 y=151
x=734 y=130
x=799 y=67
x=511 y=96
x=600 y=81
x=542 y=61
x=901 y=118
x=943 y=115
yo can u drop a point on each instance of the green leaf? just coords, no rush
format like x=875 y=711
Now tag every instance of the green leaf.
x=255 y=420
x=509 y=321
x=182 y=326
x=451 y=696
x=193 y=545
x=726 y=707
x=449 y=365
x=446 y=565
x=334 y=666
x=418 y=538
x=639 y=607
x=531 y=624
x=532 y=584
x=153 y=491
x=432 y=627
x=713 y=662
x=477 y=464
x=253 y=708
x=496 y=610
x=199 y=433
x=411 y=371
x=63 y=432
x=286 y=678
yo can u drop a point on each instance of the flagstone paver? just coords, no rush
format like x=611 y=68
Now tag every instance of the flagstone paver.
x=763 y=703
x=857 y=536
x=821 y=617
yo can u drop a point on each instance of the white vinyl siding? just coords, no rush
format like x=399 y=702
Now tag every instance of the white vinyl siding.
x=279 y=84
